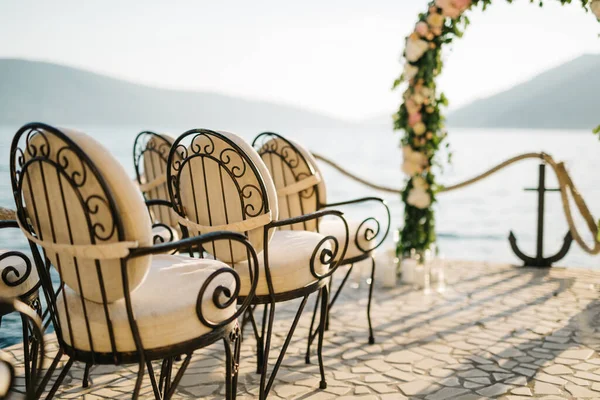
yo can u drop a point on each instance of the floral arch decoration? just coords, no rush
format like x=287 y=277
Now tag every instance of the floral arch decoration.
x=420 y=115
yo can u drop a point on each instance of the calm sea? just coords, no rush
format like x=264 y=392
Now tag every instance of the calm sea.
x=473 y=223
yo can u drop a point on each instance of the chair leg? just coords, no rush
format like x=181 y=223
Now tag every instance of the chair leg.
x=313 y=334
x=173 y=385
x=26 y=351
x=339 y=289
x=265 y=387
x=236 y=358
x=232 y=358
x=165 y=375
x=86 y=376
x=371 y=335
x=324 y=312
x=48 y=375
x=330 y=290
x=60 y=379
x=34 y=365
x=168 y=372
x=156 y=387
x=260 y=340
x=311 y=337
x=267 y=344
x=138 y=381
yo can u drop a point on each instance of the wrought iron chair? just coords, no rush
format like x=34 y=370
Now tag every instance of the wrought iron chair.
x=7 y=371
x=301 y=190
x=115 y=303
x=217 y=181
x=150 y=153
x=19 y=280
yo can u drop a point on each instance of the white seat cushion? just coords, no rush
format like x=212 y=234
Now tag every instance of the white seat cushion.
x=164 y=306
x=161 y=234
x=19 y=264
x=335 y=228
x=289 y=263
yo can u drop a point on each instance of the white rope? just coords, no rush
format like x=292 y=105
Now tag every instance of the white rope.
x=241 y=226
x=146 y=187
x=299 y=186
x=564 y=180
x=107 y=251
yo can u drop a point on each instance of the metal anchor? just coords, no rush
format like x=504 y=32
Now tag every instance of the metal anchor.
x=539 y=260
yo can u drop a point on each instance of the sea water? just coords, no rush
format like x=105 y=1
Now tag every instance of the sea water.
x=472 y=223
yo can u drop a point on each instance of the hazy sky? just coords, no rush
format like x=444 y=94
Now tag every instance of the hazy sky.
x=339 y=57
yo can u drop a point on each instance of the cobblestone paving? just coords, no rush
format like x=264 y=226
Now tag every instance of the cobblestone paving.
x=496 y=332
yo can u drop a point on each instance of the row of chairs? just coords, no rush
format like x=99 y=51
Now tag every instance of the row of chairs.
x=253 y=224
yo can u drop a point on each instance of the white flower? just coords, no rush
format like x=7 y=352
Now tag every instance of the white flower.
x=410 y=168
x=415 y=49
x=427 y=92
x=414 y=162
x=410 y=71
x=419 y=128
x=595 y=7
x=419 y=198
x=421 y=94
x=420 y=183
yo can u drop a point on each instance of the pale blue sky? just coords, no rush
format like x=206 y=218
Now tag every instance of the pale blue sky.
x=339 y=57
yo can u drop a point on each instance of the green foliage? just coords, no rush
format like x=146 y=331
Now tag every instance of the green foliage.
x=418 y=232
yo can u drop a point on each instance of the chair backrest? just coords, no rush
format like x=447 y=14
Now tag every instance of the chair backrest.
x=74 y=199
x=298 y=181
x=150 y=154
x=218 y=182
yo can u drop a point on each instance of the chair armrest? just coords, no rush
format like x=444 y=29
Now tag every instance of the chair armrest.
x=160 y=203
x=186 y=243
x=325 y=256
x=13 y=253
x=219 y=291
x=371 y=225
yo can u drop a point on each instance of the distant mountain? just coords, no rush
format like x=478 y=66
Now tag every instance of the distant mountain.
x=41 y=91
x=565 y=97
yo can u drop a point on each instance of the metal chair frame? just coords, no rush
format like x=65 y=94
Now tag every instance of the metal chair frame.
x=27 y=154
x=31 y=298
x=148 y=142
x=32 y=320
x=234 y=162
x=266 y=143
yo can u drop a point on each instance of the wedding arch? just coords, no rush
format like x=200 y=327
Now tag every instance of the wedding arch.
x=420 y=115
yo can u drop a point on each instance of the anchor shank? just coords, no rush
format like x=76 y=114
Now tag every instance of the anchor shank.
x=541 y=206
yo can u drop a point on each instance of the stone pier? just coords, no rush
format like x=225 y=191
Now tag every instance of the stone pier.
x=497 y=331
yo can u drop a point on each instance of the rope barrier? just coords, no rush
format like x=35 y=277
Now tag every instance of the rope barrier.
x=564 y=180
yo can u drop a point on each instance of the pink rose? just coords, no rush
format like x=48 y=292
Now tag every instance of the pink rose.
x=412 y=107
x=413 y=119
x=462 y=4
x=595 y=7
x=422 y=29
x=444 y=3
x=451 y=12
